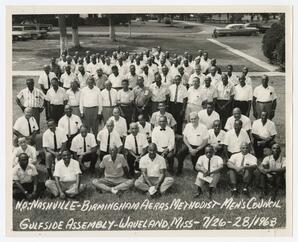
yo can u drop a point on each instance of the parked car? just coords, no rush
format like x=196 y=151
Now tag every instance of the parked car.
x=235 y=29
x=262 y=27
x=47 y=27
x=34 y=31
x=18 y=33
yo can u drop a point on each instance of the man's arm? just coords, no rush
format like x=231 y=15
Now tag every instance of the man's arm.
x=20 y=186
x=57 y=180
x=17 y=133
x=78 y=182
x=35 y=182
x=161 y=178
x=144 y=173
x=216 y=170
x=126 y=172
x=248 y=108
x=18 y=101
x=254 y=106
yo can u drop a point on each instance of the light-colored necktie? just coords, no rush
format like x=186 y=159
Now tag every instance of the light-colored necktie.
x=243 y=158
x=69 y=133
x=176 y=94
x=110 y=98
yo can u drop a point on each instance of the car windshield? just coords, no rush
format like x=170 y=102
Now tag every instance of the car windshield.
x=17 y=28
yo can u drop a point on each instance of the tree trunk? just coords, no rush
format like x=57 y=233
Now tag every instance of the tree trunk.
x=63 y=33
x=75 y=31
x=112 y=28
x=129 y=27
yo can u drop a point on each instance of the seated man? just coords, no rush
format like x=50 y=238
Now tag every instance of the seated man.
x=216 y=138
x=144 y=127
x=84 y=149
x=162 y=112
x=120 y=123
x=241 y=167
x=208 y=167
x=24 y=148
x=26 y=126
x=263 y=133
x=238 y=116
x=195 y=138
x=67 y=178
x=164 y=138
x=153 y=179
x=107 y=138
x=272 y=168
x=135 y=147
x=70 y=123
x=208 y=116
x=25 y=181
x=54 y=142
x=116 y=176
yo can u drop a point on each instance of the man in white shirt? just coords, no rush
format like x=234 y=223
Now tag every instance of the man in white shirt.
x=73 y=97
x=238 y=116
x=107 y=138
x=119 y=122
x=54 y=142
x=208 y=167
x=234 y=138
x=243 y=96
x=208 y=116
x=263 y=133
x=205 y=62
x=33 y=98
x=84 y=149
x=273 y=169
x=195 y=138
x=148 y=76
x=225 y=97
x=171 y=122
x=56 y=99
x=109 y=101
x=24 y=148
x=215 y=77
x=247 y=77
x=67 y=178
x=92 y=66
x=264 y=99
x=144 y=127
x=178 y=101
x=116 y=177
x=83 y=76
x=70 y=124
x=67 y=78
x=135 y=146
x=216 y=138
x=166 y=77
x=132 y=77
x=164 y=138
x=91 y=106
x=115 y=78
x=233 y=79
x=153 y=179
x=26 y=126
x=187 y=68
x=209 y=90
x=241 y=167
x=197 y=74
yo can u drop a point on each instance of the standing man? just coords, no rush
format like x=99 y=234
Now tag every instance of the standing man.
x=33 y=98
x=67 y=78
x=209 y=90
x=233 y=79
x=100 y=79
x=115 y=78
x=208 y=116
x=115 y=169
x=119 y=122
x=136 y=145
x=225 y=97
x=91 y=106
x=164 y=138
x=208 y=167
x=84 y=148
x=215 y=77
x=241 y=167
x=70 y=124
x=216 y=138
x=147 y=76
x=55 y=68
x=56 y=98
x=67 y=178
x=83 y=76
x=109 y=101
x=144 y=127
x=197 y=74
x=195 y=138
x=238 y=116
x=132 y=77
x=73 y=97
x=178 y=101
x=54 y=142
x=264 y=99
x=153 y=179
x=243 y=96
x=171 y=122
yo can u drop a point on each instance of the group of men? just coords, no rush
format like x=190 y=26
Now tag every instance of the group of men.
x=131 y=116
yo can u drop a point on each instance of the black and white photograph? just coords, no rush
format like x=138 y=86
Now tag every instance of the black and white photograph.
x=146 y=120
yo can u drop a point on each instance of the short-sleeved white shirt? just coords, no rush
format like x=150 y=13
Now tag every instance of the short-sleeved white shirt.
x=77 y=144
x=216 y=140
x=210 y=92
x=246 y=123
x=163 y=139
x=125 y=97
x=156 y=116
x=243 y=93
x=249 y=159
x=263 y=94
x=30 y=151
x=215 y=80
x=146 y=129
x=233 y=142
x=43 y=79
x=48 y=138
x=216 y=162
x=196 y=96
x=73 y=97
x=113 y=169
x=56 y=98
x=142 y=142
x=225 y=92
x=153 y=166
x=116 y=80
x=102 y=137
x=67 y=79
x=74 y=121
x=206 y=119
x=120 y=125
x=106 y=102
x=181 y=94
x=24 y=176
x=21 y=125
x=195 y=136
x=83 y=79
x=194 y=75
x=67 y=173
x=264 y=131
x=279 y=163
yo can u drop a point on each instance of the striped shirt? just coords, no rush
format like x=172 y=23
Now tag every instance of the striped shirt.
x=34 y=99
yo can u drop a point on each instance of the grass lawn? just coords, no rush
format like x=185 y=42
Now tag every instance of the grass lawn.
x=183 y=188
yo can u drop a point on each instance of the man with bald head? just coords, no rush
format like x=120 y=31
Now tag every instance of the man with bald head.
x=195 y=138
x=164 y=138
x=241 y=167
x=237 y=115
x=135 y=146
x=153 y=179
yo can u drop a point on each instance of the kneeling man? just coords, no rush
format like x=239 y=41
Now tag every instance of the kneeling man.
x=153 y=179
x=67 y=178
x=208 y=167
x=115 y=169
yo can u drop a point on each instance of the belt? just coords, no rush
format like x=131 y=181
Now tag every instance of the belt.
x=57 y=104
x=108 y=106
x=76 y=106
x=264 y=102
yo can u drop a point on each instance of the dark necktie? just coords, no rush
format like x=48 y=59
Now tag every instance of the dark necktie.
x=55 y=142
x=136 y=144
x=29 y=126
x=85 y=147
x=110 y=98
x=176 y=94
x=209 y=164
x=49 y=81
x=108 y=145
x=243 y=159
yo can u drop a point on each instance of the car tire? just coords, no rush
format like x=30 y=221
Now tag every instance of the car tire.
x=34 y=36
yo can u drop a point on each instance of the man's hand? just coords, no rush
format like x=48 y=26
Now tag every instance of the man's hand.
x=62 y=195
